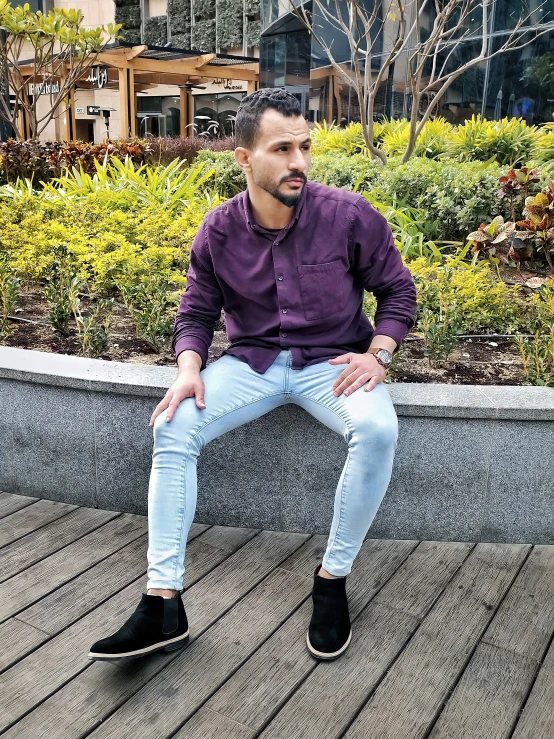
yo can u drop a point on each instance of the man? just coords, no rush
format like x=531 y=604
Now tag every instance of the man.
x=288 y=261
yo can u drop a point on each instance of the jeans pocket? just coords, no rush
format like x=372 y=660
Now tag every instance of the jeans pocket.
x=321 y=289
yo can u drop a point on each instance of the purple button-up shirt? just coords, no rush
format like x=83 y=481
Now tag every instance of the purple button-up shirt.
x=300 y=288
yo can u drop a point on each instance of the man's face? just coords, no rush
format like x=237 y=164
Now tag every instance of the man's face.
x=280 y=159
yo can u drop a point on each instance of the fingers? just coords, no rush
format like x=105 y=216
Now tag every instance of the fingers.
x=162 y=405
x=173 y=398
x=199 y=392
x=371 y=384
x=343 y=380
x=346 y=379
x=357 y=382
x=171 y=408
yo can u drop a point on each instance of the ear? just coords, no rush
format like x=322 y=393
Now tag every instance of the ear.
x=242 y=158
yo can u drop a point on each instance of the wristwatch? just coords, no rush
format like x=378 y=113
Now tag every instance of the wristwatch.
x=383 y=356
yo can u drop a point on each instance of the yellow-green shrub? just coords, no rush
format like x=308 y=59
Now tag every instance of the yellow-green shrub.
x=101 y=244
x=483 y=302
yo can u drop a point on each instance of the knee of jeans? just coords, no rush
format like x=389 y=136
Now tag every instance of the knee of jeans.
x=182 y=426
x=382 y=432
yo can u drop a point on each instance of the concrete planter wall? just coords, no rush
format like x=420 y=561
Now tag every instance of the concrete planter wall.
x=473 y=463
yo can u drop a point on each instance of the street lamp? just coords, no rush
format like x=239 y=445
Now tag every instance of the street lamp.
x=106 y=114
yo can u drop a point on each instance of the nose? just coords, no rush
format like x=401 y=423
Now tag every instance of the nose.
x=297 y=163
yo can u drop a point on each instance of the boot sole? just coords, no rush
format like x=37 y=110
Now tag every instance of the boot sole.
x=167 y=646
x=328 y=655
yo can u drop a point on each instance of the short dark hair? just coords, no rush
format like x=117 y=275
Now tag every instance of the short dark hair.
x=253 y=106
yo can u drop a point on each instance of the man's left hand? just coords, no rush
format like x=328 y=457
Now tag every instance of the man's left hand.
x=361 y=368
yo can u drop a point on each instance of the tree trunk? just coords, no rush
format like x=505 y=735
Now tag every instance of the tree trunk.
x=413 y=130
x=366 y=115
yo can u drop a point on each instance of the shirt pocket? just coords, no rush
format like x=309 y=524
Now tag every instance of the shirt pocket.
x=321 y=289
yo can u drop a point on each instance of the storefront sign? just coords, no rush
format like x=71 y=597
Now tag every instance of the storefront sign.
x=93 y=110
x=45 y=88
x=227 y=84
x=79 y=111
x=98 y=77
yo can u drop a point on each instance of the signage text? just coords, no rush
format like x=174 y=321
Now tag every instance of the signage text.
x=98 y=76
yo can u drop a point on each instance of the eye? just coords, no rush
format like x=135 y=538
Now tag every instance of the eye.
x=282 y=148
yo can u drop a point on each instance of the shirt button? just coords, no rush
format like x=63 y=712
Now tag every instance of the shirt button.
x=276 y=243
x=280 y=277
x=284 y=333
x=284 y=310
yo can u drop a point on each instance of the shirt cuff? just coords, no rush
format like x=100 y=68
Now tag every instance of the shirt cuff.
x=395 y=329
x=190 y=342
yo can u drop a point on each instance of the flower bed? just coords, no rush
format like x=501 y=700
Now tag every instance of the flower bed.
x=95 y=265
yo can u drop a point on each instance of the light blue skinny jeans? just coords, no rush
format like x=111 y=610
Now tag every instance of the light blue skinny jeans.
x=234 y=395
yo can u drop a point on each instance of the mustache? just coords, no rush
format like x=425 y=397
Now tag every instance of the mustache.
x=295 y=176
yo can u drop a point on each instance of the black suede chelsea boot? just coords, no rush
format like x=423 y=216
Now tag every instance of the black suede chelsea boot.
x=157 y=624
x=329 y=633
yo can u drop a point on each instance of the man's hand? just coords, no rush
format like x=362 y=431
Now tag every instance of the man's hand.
x=361 y=368
x=187 y=385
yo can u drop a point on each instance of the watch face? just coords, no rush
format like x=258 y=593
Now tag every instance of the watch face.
x=385 y=356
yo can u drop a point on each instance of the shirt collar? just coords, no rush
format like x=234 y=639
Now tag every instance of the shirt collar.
x=252 y=221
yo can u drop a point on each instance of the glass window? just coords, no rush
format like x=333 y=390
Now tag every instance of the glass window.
x=298 y=58
x=521 y=82
x=507 y=13
x=205 y=114
x=227 y=106
x=273 y=50
x=215 y=114
x=464 y=97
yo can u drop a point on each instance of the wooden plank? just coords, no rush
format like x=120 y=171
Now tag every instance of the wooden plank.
x=262 y=684
x=488 y=698
x=22 y=522
x=524 y=623
x=172 y=696
x=181 y=67
x=39 y=544
x=537 y=718
x=9 y=503
x=75 y=599
x=211 y=725
x=14 y=635
x=408 y=699
x=28 y=586
x=380 y=630
x=91 y=696
x=80 y=596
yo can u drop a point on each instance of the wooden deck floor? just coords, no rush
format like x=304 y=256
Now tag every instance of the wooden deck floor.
x=450 y=640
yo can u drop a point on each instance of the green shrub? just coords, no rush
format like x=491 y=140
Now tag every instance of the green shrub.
x=484 y=304
x=455 y=195
x=149 y=304
x=228 y=178
x=341 y=170
x=511 y=141
x=9 y=288
x=432 y=141
x=330 y=138
x=537 y=353
x=93 y=330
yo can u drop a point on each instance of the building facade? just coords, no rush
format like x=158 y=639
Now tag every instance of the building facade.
x=227 y=27
x=516 y=83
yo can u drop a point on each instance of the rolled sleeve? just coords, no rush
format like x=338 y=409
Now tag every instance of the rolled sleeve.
x=201 y=302
x=377 y=261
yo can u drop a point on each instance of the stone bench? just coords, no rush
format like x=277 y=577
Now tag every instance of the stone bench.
x=473 y=463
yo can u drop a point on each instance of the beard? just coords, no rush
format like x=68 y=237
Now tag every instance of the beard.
x=288 y=199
